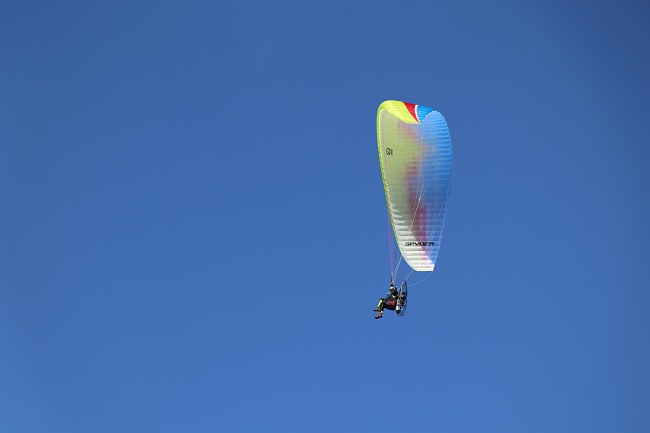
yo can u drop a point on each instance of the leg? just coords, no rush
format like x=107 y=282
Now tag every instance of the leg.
x=379 y=309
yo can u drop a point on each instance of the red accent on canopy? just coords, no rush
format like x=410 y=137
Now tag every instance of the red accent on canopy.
x=411 y=108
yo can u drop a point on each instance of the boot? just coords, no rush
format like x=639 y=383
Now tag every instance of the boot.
x=378 y=316
x=376 y=309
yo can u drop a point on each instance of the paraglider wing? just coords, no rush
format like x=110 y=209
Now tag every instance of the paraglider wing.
x=415 y=156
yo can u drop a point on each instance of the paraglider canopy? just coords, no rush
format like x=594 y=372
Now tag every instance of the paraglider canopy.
x=416 y=164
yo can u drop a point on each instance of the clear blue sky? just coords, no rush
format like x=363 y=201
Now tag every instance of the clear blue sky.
x=193 y=228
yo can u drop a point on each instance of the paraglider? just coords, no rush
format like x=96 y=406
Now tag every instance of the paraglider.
x=416 y=163
x=395 y=300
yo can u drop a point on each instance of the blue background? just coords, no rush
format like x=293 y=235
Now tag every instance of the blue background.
x=193 y=227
